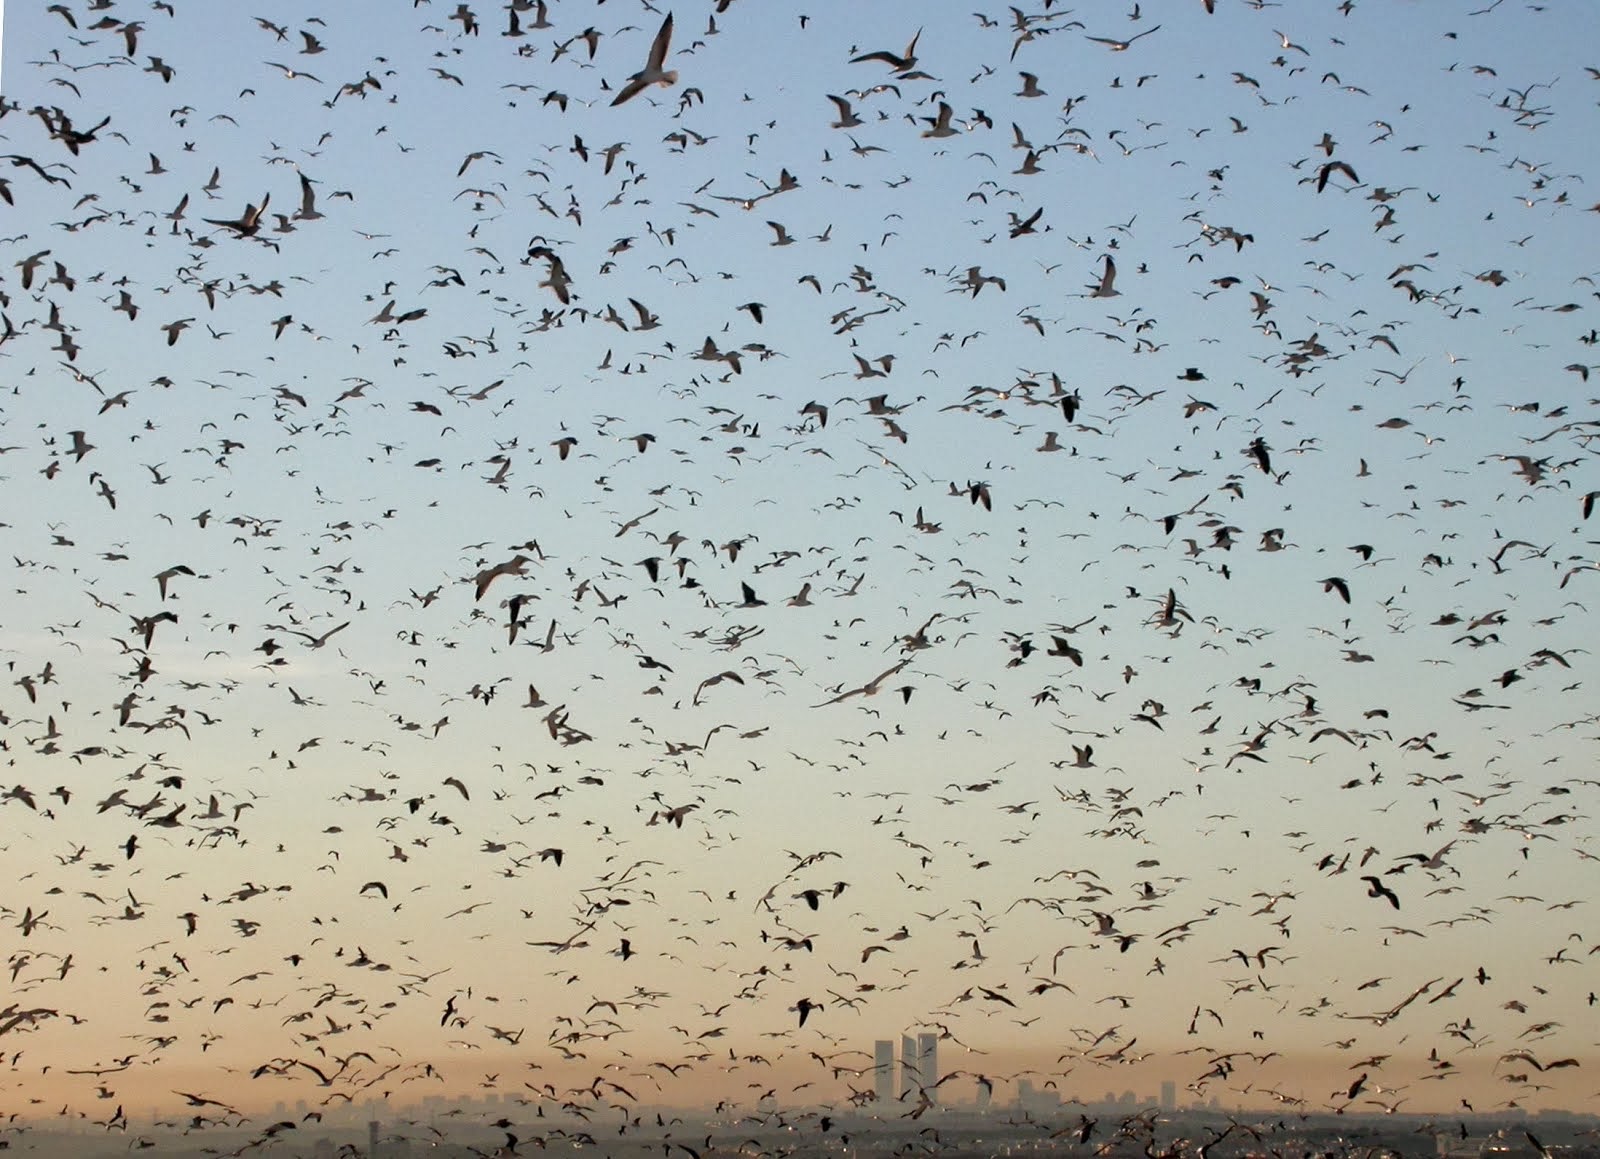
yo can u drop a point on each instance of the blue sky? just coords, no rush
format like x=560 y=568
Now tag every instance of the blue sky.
x=1353 y=253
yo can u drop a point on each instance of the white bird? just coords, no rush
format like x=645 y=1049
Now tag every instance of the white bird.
x=941 y=123
x=655 y=71
x=1107 y=287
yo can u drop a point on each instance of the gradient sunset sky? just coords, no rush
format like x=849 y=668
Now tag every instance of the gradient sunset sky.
x=1066 y=529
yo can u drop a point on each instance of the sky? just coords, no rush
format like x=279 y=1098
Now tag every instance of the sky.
x=1064 y=529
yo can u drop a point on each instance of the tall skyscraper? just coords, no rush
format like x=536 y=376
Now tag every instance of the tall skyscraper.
x=1169 y=1096
x=928 y=1062
x=910 y=1072
x=883 y=1069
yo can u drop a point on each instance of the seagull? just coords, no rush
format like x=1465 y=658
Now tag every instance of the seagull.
x=308 y=201
x=1328 y=168
x=1122 y=45
x=941 y=123
x=248 y=224
x=655 y=71
x=847 y=117
x=1107 y=285
x=1376 y=888
x=900 y=64
x=293 y=74
x=173 y=329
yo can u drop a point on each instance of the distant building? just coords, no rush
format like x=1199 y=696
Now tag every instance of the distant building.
x=928 y=1063
x=1169 y=1096
x=918 y=1068
x=883 y=1070
x=1039 y=1102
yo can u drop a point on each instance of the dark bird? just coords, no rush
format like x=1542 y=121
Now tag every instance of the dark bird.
x=903 y=63
x=1376 y=888
x=1329 y=168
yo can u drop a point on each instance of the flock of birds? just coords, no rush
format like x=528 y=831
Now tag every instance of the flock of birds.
x=616 y=555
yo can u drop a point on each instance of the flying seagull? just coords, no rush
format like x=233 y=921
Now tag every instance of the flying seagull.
x=655 y=71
